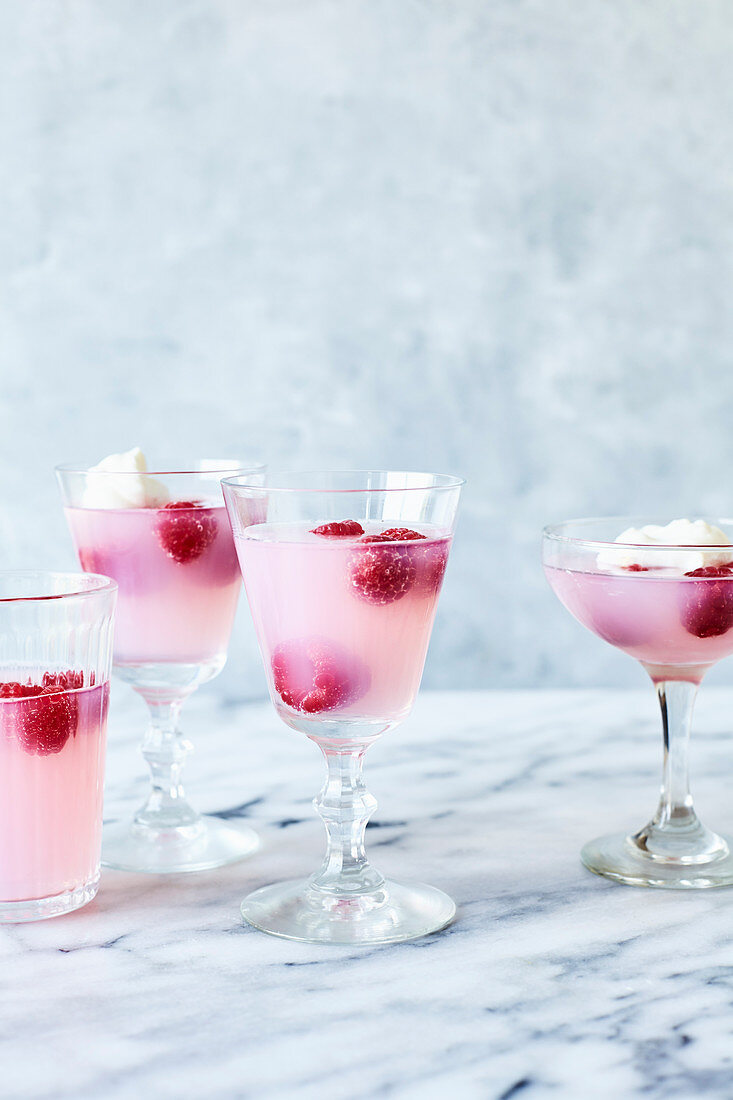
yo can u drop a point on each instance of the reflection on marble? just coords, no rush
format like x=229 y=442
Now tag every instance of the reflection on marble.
x=551 y=982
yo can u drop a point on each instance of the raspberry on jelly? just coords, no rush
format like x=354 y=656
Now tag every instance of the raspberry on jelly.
x=62 y=681
x=185 y=530
x=706 y=604
x=14 y=690
x=401 y=534
x=394 y=534
x=380 y=574
x=340 y=529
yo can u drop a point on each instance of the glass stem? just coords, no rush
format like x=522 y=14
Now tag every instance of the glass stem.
x=345 y=805
x=676 y=700
x=165 y=750
x=675 y=832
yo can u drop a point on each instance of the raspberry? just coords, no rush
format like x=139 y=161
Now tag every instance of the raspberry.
x=46 y=722
x=63 y=681
x=398 y=534
x=431 y=563
x=385 y=574
x=341 y=529
x=48 y=714
x=185 y=530
x=394 y=534
x=381 y=574
x=14 y=690
x=706 y=605
x=314 y=675
x=636 y=568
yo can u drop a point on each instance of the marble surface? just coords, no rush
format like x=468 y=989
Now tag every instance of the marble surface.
x=550 y=983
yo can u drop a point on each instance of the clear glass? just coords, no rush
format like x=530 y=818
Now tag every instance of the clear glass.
x=179 y=583
x=55 y=658
x=342 y=573
x=674 y=614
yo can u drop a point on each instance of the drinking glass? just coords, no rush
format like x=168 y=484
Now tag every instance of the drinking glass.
x=673 y=612
x=342 y=573
x=179 y=583
x=55 y=657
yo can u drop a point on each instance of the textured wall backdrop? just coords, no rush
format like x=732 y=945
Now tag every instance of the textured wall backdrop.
x=488 y=238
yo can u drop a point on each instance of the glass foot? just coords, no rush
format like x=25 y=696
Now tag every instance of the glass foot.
x=200 y=847
x=300 y=911
x=617 y=857
x=15 y=912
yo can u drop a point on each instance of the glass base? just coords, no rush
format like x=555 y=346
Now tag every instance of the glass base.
x=207 y=844
x=16 y=912
x=300 y=911
x=617 y=857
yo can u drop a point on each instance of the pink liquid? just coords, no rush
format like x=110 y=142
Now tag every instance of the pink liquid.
x=307 y=610
x=167 y=610
x=658 y=616
x=51 y=804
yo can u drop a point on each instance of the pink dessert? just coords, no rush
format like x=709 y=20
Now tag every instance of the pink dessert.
x=52 y=741
x=177 y=573
x=343 y=613
x=660 y=616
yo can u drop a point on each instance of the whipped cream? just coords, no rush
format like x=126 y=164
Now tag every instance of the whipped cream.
x=134 y=488
x=680 y=532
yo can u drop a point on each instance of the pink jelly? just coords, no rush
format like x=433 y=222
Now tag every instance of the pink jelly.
x=659 y=616
x=177 y=573
x=343 y=622
x=52 y=768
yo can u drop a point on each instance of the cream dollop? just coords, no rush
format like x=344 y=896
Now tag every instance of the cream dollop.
x=134 y=488
x=680 y=532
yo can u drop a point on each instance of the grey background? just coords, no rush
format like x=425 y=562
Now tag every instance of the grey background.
x=489 y=238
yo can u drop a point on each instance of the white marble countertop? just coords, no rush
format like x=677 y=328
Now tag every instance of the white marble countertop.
x=550 y=983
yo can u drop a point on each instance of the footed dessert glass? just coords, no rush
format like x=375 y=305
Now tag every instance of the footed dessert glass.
x=172 y=554
x=669 y=605
x=342 y=573
x=55 y=659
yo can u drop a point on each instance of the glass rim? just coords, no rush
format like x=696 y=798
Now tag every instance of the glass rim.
x=553 y=532
x=105 y=584
x=222 y=466
x=440 y=483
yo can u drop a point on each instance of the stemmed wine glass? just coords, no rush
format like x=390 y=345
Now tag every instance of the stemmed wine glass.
x=669 y=604
x=342 y=572
x=165 y=538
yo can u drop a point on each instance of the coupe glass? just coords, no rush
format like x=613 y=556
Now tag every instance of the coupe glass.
x=673 y=612
x=179 y=583
x=55 y=658
x=342 y=572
